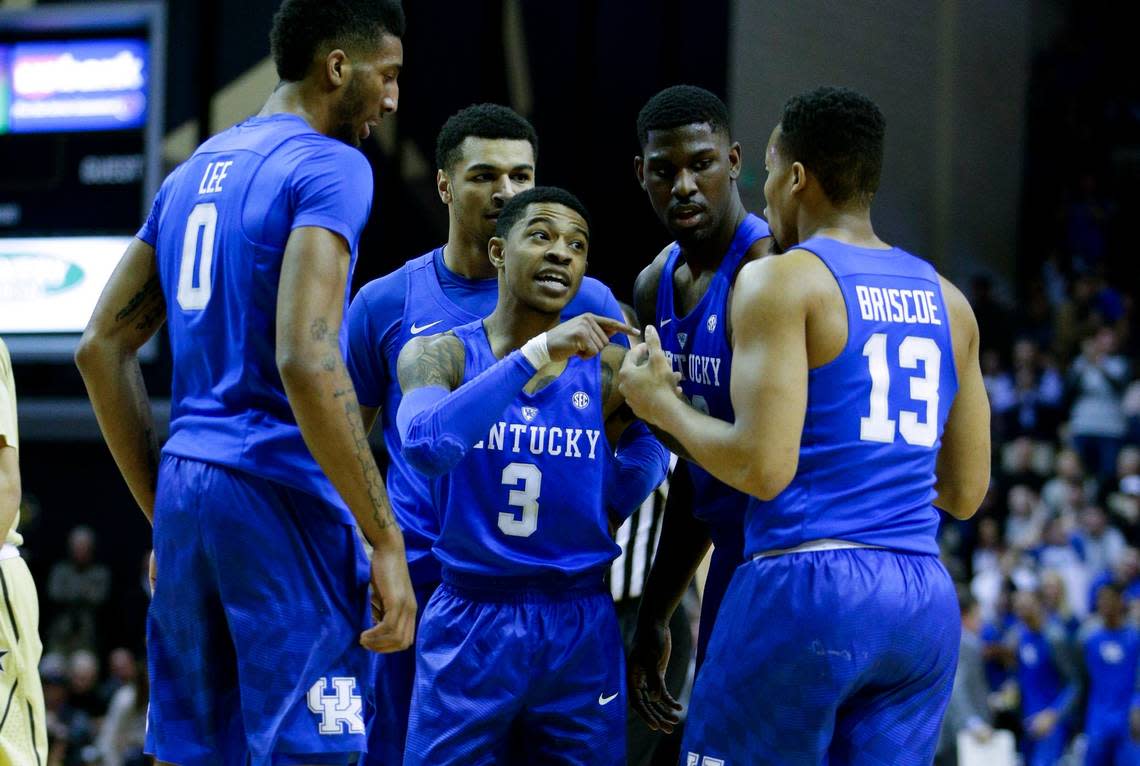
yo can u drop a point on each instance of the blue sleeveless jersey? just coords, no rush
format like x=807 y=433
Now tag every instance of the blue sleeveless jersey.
x=875 y=413
x=219 y=226
x=1112 y=659
x=699 y=348
x=526 y=503
x=384 y=316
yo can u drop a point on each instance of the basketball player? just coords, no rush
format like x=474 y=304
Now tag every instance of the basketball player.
x=688 y=168
x=1111 y=653
x=513 y=416
x=859 y=408
x=254 y=634
x=23 y=733
x=485 y=154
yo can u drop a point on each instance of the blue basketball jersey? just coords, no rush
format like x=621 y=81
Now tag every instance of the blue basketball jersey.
x=1111 y=660
x=698 y=346
x=424 y=298
x=219 y=226
x=526 y=502
x=1038 y=675
x=875 y=413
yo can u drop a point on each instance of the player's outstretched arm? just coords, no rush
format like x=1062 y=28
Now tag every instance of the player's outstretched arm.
x=683 y=543
x=759 y=452
x=439 y=419
x=129 y=312
x=310 y=298
x=963 y=468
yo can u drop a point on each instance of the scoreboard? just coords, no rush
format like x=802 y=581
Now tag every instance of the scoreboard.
x=81 y=103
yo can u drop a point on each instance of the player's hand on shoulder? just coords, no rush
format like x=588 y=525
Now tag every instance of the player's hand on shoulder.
x=584 y=336
x=393 y=603
x=645 y=672
x=647 y=379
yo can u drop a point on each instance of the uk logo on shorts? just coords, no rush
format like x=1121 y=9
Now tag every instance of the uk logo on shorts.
x=694 y=759
x=337 y=710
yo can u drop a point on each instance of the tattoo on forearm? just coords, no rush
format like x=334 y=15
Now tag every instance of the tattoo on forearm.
x=344 y=391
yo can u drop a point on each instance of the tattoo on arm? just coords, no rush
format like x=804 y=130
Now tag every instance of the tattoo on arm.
x=146 y=308
x=438 y=363
x=333 y=362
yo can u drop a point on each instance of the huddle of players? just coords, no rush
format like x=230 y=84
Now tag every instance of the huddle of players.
x=505 y=403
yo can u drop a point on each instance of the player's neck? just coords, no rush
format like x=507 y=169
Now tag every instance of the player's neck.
x=708 y=254
x=292 y=98
x=512 y=324
x=849 y=225
x=466 y=255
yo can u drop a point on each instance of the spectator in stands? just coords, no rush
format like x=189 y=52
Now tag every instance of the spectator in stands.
x=69 y=729
x=1101 y=545
x=1058 y=553
x=77 y=587
x=1097 y=424
x=1056 y=602
x=1065 y=493
x=1122 y=500
x=969 y=707
x=83 y=685
x=1027 y=517
x=122 y=735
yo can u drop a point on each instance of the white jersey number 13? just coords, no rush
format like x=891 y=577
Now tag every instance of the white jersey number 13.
x=879 y=427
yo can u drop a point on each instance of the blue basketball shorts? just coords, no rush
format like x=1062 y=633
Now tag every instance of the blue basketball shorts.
x=253 y=632
x=524 y=677
x=837 y=657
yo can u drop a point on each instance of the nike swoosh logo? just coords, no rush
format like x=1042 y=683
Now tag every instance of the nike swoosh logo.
x=603 y=700
x=417 y=329
x=666 y=321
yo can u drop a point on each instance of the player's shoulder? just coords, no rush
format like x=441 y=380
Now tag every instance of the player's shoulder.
x=650 y=277
x=385 y=296
x=432 y=357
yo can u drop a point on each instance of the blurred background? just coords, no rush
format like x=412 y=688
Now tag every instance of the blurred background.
x=1012 y=163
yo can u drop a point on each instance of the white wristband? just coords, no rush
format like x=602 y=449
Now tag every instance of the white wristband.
x=536 y=351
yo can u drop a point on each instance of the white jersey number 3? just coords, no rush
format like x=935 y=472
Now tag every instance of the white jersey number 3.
x=525 y=499
x=878 y=426
x=202 y=221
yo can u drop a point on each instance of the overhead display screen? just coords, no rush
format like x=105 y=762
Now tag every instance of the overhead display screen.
x=73 y=85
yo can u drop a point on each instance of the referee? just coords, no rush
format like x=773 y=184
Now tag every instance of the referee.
x=23 y=738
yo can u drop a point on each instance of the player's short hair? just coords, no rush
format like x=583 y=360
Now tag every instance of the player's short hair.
x=481 y=121
x=513 y=211
x=837 y=134
x=1113 y=588
x=680 y=105
x=299 y=26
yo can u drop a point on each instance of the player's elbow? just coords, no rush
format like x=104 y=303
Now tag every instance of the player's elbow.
x=298 y=366
x=961 y=502
x=765 y=479
x=93 y=350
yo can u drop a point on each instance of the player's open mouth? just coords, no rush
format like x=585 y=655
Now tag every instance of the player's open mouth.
x=554 y=281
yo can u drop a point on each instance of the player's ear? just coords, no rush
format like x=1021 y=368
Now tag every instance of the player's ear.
x=336 y=68
x=799 y=177
x=639 y=170
x=495 y=251
x=735 y=160
x=443 y=186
